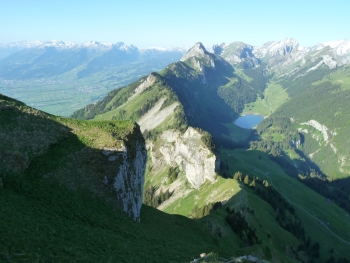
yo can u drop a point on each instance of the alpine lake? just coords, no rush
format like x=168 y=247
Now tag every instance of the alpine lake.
x=248 y=121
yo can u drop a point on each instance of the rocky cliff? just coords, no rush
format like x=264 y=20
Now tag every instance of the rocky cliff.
x=128 y=177
x=186 y=151
x=238 y=54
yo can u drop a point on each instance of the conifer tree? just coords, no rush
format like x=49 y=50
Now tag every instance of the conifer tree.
x=237 y=175
x=246 y=179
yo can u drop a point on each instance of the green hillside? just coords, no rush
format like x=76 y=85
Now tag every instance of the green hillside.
x=212 y=94
x=323 y=221
x=308 y=134
x=56 y=208
x=278 y=192
x=43 y=221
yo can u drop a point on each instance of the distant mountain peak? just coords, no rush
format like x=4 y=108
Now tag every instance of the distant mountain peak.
x=217 y=49
x=340 y=47
x=237 y=53
x=198 y=50
x=277 y=48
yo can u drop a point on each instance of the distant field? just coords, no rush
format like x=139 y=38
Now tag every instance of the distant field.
x=59 y=99
x=274 y=96
x=55 y=97
x=62 y=95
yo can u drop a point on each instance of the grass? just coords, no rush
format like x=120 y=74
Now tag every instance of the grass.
x=46 y=222
x=267 y=228
x=135 y=104
x=238 y=196
x=340 y=77
x=307 y=203
x=56 y=209
x=157 y=178
x=222 y=189
x=274 y=96
x=276 y=137
x=57 y=97
x=237 y=133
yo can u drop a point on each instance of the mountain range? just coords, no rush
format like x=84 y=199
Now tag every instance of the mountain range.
x=60 y=77
x=278 y=192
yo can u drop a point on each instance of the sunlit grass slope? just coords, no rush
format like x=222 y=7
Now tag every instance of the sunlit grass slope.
x=274 y=96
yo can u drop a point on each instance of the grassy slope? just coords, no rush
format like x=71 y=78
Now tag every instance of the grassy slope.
x=310 y=206
x=274 y=238
x=340 y=77
x=278 y=240
x=327 y=104
x=135 y=104
x=274 y=96
x=319 y=95
x=43 y=220
x=237 y=196
x=222 y=189
x=51 y=223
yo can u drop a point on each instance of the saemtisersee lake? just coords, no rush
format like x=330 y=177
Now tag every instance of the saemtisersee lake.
x=248 y=121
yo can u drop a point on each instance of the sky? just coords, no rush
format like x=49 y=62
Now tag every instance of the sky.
x=168 y=23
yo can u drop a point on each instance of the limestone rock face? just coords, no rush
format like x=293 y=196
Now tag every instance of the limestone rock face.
x=188 y=152
x=130 y=179
x=198 y=50
x=280 y=54
x=199 y=57
x=239 y=53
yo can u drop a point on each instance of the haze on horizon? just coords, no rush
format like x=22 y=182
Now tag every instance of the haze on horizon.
x=174 y=23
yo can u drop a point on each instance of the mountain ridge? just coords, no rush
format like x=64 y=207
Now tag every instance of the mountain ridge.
x=194 y=102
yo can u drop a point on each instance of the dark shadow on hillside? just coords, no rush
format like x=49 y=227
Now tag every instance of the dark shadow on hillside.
x=38 y=148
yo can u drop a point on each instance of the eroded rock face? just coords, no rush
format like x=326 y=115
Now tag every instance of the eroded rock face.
x=199 y=57
x=189 y=153
x=239 y=52
x=198 y=50
x=280 y=54
x=130 y=179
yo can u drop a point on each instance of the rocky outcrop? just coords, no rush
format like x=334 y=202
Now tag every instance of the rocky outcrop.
x=198 y=50
x=239 y=53
x=199 y=57
x=326 y=60
x=144 y=84
x=326 y=133
x=280 y=54
x=129 y=182
x=156 y=115
x=130 y=179
x=188 y=152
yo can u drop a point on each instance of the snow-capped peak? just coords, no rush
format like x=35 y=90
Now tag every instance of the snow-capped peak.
x=166 y=49
x=340 y=47
x=60 y=44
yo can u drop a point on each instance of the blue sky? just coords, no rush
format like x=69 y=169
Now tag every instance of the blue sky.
x=171 y=23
